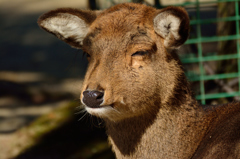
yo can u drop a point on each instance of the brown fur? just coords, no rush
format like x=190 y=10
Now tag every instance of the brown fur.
x=148 y=105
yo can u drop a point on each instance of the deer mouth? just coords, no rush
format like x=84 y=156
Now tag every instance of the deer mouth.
x=101 y=111
x=99 y=106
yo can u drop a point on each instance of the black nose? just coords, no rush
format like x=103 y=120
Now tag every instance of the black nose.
x=92 y=99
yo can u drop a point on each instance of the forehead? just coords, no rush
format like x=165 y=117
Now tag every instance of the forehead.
x=121 y=24
x=123 y=15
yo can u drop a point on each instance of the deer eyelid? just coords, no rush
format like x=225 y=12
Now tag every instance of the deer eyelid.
x=140 y=53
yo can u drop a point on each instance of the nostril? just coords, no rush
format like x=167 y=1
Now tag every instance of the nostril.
x=100 y=96
x=92 y=99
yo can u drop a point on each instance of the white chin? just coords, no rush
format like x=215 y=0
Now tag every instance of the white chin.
x=104 y=112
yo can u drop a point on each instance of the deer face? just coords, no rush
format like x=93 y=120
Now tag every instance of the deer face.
x=129 y=47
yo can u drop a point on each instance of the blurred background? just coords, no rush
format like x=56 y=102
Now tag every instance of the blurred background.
x=41 y=76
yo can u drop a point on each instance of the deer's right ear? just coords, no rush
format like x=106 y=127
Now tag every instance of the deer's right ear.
x=69 y=25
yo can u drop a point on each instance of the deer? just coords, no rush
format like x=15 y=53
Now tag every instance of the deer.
x=135 y=82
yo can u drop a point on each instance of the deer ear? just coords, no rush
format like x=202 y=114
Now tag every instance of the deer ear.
x=172 y=23
x=69 y=25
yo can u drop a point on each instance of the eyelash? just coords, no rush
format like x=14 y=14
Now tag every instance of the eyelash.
x=87 y=55
x=140 y=53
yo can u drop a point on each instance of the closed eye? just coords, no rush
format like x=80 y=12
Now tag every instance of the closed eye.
x=140 y=53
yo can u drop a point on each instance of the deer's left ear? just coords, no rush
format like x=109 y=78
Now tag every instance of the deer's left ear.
x=69 y=25
x=172 y=24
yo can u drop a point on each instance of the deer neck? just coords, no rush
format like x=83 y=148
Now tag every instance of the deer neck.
x=165 y=133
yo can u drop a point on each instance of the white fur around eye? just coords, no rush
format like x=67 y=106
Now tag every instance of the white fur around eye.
x=166 y=25
x=67 y=25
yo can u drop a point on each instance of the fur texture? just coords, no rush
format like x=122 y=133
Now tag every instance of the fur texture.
x=147 y=105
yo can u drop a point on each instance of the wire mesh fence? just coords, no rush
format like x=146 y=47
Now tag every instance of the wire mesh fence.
x=203 y=58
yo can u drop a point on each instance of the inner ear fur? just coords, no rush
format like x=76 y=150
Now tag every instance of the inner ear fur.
x=69 y=25
x=172 y=24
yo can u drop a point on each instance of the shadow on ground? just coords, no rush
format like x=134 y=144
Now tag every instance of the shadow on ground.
x=72 y=140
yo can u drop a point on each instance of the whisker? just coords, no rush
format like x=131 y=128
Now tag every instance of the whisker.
x=99 y=123
x=81 y=111
x=116 y=110
x=83 y=116
x=79 y=107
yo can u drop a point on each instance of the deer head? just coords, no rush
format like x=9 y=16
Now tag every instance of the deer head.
x=133 y=67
